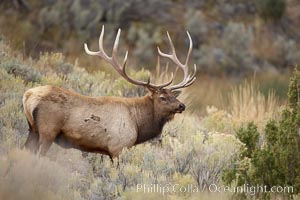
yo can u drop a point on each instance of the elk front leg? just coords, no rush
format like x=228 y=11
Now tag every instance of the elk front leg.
x=125 y=137
x=44 y=144
x=112 y=161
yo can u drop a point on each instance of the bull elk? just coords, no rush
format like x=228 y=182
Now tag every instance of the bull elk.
x=104 y=125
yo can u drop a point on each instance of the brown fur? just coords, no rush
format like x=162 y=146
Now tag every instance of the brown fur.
x=101 y=124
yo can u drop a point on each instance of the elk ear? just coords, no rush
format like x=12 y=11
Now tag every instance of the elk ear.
x=176 y=93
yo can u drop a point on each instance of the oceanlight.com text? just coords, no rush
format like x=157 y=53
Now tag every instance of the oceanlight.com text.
x=214 y=188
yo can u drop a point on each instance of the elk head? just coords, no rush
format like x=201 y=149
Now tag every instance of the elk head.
x=163 y=96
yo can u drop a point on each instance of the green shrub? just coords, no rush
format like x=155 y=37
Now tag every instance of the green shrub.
x=274 y=162
x=12 y=120
x=249 y=136
x=18 y=69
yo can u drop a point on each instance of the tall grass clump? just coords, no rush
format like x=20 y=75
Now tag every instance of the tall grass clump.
x=247 y=103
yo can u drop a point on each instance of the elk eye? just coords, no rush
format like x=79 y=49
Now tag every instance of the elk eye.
x=176 y=93
x=163 y=98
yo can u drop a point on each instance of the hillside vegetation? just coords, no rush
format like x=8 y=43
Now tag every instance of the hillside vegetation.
x=236 y=37
x=193 y=150
x=242 y=120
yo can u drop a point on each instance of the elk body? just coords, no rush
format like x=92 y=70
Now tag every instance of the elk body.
x=102 y=124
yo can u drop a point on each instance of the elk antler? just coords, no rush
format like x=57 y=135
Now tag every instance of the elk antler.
x=188 y=79
x=121 y=68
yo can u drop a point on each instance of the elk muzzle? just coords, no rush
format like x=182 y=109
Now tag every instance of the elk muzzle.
x=181 y=108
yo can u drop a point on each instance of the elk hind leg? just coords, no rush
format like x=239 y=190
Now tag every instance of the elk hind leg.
x=47 y=136
x=32 y=142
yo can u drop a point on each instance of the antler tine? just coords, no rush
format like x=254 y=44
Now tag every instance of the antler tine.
x=191 y=77
x=89 y=51
x=125 y=61
x=121 y=69
x=190 y=49
x=189 y=83
x=116 y=44
x=101 y=49
x=187 y=79
x=172 y=45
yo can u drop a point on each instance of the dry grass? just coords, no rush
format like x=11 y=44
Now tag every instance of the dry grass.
x=26 y=176
x=193 y=196
x=247 y=103
x=206 y=91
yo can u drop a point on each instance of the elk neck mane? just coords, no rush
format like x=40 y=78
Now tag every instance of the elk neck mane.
x=149 y=120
